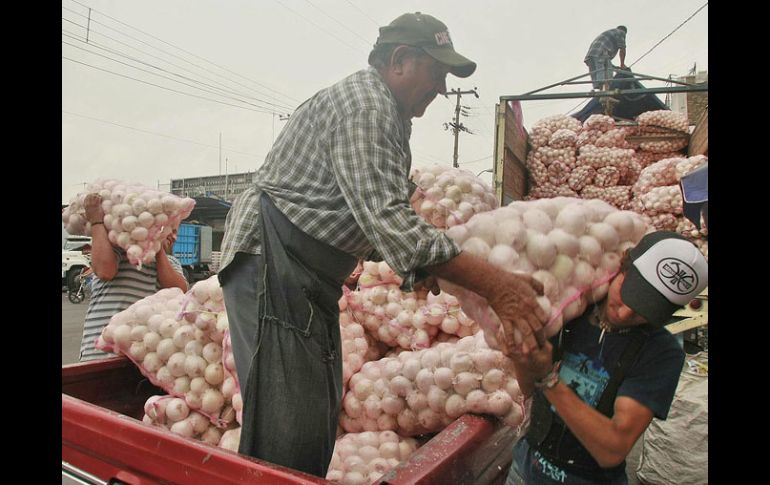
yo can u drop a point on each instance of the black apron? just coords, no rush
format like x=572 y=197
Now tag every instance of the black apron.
x=293 y=392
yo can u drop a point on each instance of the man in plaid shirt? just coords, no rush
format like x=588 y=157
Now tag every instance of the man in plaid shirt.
x=603 y=49
x=335 y=189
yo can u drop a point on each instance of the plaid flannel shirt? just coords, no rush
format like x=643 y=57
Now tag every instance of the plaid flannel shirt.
x=607 y=44
x=339 y=171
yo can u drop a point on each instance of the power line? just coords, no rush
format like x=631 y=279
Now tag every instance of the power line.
x=156 y=48
x=367 y=41
x=364 y=13
x=158 y=75
x=318 y=26
x=103 y=47
x=670 y=34
x=165 y=77
x=187 y=52
x=183 y=50
x=429 y=156
x=576 y=106
x=163 y=87
x=159 y=134
x=687 y=58
x=477 y=160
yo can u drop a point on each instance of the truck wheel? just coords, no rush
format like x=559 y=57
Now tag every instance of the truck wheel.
x=72 y=277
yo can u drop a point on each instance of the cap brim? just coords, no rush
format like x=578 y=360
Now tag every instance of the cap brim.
x=644 y=299
x=459 y=65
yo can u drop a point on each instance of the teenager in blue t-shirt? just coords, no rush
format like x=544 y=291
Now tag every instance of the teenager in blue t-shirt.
x=596 y=386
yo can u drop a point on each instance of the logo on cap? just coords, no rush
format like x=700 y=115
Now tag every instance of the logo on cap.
x=678 y=276
x=442 y=38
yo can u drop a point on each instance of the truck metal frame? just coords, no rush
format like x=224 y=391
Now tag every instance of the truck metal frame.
x=512 y=141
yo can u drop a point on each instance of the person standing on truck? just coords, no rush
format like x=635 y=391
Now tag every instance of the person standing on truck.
x=335 y=188
x=602 y=50
x=633 y=365
x=119 y=284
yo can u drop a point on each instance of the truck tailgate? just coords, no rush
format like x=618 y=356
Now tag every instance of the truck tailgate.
x=102 y=434
x=473 y=450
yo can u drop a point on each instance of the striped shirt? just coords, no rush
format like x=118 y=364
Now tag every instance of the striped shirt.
x=607 y=44
x=339 y=172
x=109 y=298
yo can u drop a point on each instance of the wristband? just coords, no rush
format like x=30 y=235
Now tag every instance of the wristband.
x=551 y=379
x=97 y=222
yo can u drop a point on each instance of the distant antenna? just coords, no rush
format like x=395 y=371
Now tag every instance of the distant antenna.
x=88 y=26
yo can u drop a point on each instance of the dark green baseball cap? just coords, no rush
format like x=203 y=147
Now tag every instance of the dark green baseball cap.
x=429 y=33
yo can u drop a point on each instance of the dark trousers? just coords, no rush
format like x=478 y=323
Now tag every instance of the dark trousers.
x=600 y=69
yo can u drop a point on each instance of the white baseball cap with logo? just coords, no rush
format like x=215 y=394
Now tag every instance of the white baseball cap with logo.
x=664 y=272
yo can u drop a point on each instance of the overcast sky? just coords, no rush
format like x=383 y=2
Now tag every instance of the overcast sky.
x=256 y=60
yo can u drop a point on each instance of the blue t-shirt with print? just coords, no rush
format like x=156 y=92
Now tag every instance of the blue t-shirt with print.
x=650 y=380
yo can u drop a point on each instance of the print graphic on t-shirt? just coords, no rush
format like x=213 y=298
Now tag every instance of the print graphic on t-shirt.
x=585 y=376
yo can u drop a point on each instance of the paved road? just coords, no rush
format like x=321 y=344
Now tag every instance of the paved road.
x=72 y=317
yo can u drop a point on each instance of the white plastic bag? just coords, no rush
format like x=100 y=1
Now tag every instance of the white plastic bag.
x=676 y=450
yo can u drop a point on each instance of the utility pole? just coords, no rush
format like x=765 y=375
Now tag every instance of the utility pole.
x=88 y=27
x=282 y=117
x=456 y=125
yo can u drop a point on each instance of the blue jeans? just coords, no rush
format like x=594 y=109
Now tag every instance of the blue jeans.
x=531 y=468
x=600 y=69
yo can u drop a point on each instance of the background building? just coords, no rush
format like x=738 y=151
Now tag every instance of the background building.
x=692 y=105
x=225 y=187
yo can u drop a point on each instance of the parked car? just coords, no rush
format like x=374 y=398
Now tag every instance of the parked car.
x=75 y=255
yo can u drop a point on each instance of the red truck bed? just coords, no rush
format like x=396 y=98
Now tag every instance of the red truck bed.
x=103 y=435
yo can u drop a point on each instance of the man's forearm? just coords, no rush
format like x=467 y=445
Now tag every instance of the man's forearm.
x=470 y=272
x=167 y=275
x=513 y=297
x=595 y=431
x=103 y=260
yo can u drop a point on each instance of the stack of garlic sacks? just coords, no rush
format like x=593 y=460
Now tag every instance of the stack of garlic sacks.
x=136 y=217
x=593 y=159
x=596 y=161
x=362 y=458
x=178 y=342
x=572 y=245
x=658 y=196
x=663 y=206
x=409 y=320
x=378 y=318
x=446 y=197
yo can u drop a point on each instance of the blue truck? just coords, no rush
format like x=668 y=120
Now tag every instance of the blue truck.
x=193 y=250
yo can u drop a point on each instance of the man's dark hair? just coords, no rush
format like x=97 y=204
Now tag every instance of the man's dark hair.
x=380 y=56
x=623 y=28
